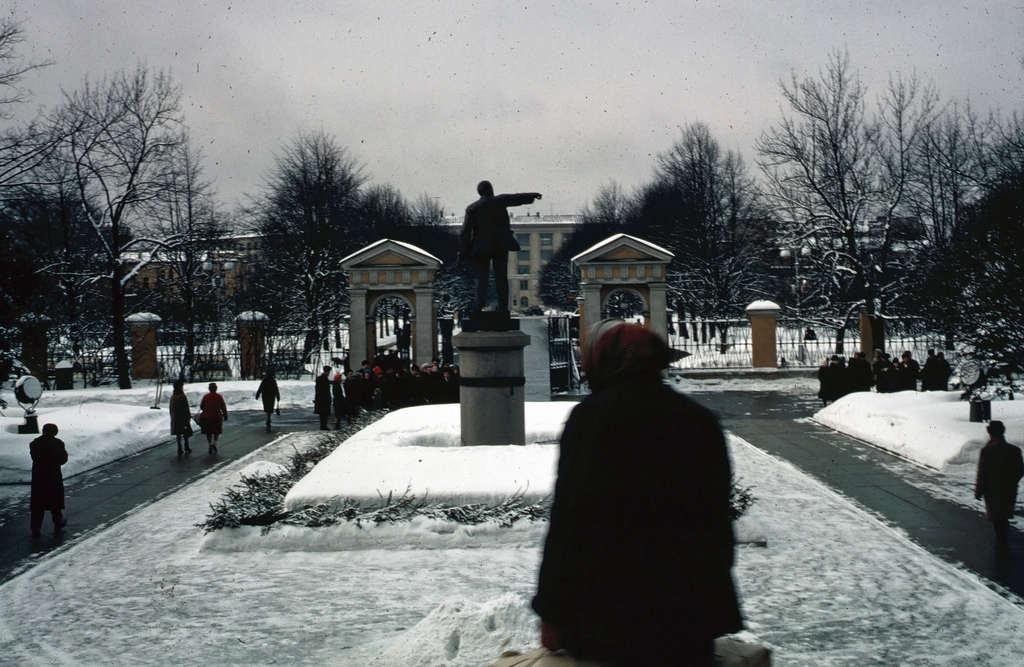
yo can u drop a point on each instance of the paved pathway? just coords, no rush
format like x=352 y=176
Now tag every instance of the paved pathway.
x=96 y=499
x=871 y=477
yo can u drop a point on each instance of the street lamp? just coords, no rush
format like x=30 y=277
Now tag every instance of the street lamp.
x=798 y=285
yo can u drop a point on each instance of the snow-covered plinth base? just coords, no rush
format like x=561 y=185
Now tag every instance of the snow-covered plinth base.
x=417 y=450
x=931 y=428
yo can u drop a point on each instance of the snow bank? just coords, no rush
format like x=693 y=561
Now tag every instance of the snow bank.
x=465 y=631
x=103 y=424
x=94 y=434
x=930 y=428
x=417 y=450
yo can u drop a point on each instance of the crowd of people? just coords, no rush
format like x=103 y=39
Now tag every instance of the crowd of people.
x=838 y=377
x=385 y=382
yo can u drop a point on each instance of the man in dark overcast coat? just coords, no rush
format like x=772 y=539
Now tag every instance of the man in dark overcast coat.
x=48 y=455
x=1000 y=468
x=487 y=239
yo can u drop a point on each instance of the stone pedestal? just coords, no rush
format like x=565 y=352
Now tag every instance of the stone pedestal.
x=492 y=393
x=762 y=328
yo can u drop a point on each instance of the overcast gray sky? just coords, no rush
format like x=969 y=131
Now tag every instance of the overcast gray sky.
x=558 y=97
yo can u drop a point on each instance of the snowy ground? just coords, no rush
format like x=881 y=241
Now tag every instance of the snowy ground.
x=153 y=589
x=103 y=424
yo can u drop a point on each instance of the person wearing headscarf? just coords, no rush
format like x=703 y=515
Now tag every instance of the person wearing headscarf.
x=637 y=562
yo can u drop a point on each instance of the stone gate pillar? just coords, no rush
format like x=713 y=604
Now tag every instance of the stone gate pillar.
x=252 y=343
x=145 y=365
x=762 y=324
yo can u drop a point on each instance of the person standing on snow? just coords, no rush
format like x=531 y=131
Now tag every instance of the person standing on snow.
x=48 y=455
x=269 y=391
x=637 y=563
x=181 y=417
x=322 y=397
x=213 y=412
x=1000 y=468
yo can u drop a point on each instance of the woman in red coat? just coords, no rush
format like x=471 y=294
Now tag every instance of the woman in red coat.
x=213 y=412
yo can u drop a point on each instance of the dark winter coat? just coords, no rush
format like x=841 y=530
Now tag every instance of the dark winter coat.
x=48 y=455
x=1000 y=468
x=322 y=395
x=640 y=545
x=486 y=231
x=907 y=373
x=181 y=415
x=859 y=375
x=338 y=396
x=353 y=391
x=213 y=411
x=831 y=382
x=270 y=393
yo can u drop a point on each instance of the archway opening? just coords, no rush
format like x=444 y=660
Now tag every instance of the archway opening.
x=625 y=304
x=392 y=328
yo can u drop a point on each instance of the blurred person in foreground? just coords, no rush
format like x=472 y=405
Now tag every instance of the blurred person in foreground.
x=638 y=557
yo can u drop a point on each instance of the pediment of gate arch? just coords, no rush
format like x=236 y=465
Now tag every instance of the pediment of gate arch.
x=390 y=253
x=623 y=248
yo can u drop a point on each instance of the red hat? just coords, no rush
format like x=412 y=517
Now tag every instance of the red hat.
x=617 y=350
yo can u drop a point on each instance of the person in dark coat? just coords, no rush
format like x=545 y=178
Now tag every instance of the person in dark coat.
x=181 y=418
x=831 y=378
x=637 y=563
x=907 y=373
x=270 y=392
x=353 y=392
x=48 y=455
x=487 y=239
x=858 y=373
x=1000 y=468
x=213 y=412
x=338 y=400
x=322 y=397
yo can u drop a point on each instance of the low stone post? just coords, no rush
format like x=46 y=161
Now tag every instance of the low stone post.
x=143 y=327
x=492 y=386
x=252 y=343
x=762 y=324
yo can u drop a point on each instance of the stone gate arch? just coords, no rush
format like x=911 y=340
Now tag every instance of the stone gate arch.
x=389 y=268
x=624 y=262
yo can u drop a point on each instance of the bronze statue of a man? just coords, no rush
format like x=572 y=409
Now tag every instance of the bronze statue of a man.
x=487 y=239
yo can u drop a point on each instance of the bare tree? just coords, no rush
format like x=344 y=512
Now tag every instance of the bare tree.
x=21 y=148
x=838 y=179
x=120 y=135
x=308 y=218
x=188 y=212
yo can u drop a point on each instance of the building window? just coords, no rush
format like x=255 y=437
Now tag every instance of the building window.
x=546 y=254
x=145 y=283
x=524 y=302
x=524 y=269
x=523 y=239
x=524 y=285
x=547 y=239
x=524 y=255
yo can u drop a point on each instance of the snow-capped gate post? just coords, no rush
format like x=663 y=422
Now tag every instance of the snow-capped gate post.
x=762 y=328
